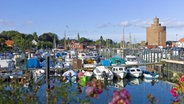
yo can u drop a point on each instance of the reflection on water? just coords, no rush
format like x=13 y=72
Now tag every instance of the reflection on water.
x=140 y=90
x=134 y=81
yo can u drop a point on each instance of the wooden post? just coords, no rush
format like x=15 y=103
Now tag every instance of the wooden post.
x=154 y=55
x=47 y=73
x=151 y=56
x=146 y=55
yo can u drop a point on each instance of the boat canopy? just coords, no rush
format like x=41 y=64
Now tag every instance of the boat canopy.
x=33 y=63
x=105 y=62
x=116 y=60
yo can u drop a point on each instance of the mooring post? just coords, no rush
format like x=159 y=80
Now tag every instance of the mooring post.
x=151 y=57
x=47 y=73
x=146 y=55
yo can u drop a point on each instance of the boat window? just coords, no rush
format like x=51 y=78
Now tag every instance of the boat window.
x=132 y=70
x=120 y=68
x=138 y=70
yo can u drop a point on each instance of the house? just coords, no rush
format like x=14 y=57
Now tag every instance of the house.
x=9 y=43
x=180 y=43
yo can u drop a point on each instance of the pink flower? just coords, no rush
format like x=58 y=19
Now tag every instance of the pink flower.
x=174 y=92
x=80 y=74
x=89 y=91
x=182 y=78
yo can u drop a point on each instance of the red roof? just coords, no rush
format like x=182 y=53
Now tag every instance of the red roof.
x=181 y=40
x=9 y=43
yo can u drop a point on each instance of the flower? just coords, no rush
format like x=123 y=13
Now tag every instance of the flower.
x=94 y=88
x=120 y=97
x=182 y=78
x=177 y=91
x=174 y=92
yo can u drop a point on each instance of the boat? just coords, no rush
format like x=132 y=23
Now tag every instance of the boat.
x=38 y=75
x=7 y=64
x=63 y=65
x=70 y=75
x=102 y=73
x=150 y=75
x=117 y=61
x=119 y=71
x=131 y=60
x=89 y=63
x=134 y=72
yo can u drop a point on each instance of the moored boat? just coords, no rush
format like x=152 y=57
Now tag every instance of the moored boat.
x=131 y=60
x=70 y=75
x=150 y=75
x=119 y=71
x=134 y=72
x=102 y=73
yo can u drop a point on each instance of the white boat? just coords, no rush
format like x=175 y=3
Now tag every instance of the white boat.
x=63 y=65
x=119 y=71
x=131 y=60
x=70 y=75
x=134 y=72
x=38 y=75
x=150 y=75
x=102 y=73
x=7 y=64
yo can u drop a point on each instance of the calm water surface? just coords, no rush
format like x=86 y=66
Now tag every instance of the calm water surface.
x=139 y=90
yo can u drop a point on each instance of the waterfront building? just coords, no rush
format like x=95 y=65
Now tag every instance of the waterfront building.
x=180 y=43
x=156 y=34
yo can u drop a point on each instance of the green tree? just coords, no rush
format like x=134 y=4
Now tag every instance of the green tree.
x=35 y=36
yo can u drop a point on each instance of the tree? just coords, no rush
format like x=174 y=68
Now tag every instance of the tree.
x=35 y=36
x=109 y=43
x=83 y=40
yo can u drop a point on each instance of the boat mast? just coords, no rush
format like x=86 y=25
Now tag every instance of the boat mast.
x=65 y=41
x=123 y=39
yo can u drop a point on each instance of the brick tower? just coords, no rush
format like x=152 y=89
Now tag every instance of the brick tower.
x=156 y=34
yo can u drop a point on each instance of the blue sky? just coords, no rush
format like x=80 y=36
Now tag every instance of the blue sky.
x=92 y=18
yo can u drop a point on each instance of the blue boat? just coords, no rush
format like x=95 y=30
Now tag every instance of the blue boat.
x=150 y=75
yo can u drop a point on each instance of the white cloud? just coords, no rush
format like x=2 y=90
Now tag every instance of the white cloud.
x=172 y=23
x=168 y=22
x=6 y=23
x=106 y=25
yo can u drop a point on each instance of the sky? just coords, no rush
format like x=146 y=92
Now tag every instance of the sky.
x=93 y=18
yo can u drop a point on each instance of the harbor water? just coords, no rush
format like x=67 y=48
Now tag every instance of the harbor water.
x=140 y=91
